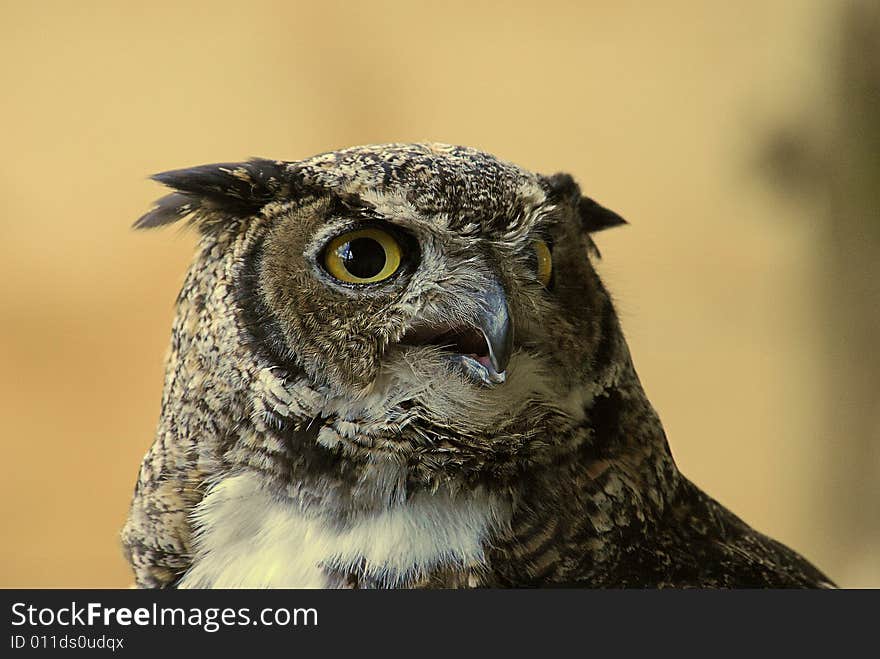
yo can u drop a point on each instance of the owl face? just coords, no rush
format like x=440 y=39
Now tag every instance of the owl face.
x=436 y=286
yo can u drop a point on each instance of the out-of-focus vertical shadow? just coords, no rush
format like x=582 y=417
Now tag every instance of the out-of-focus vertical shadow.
x=834 y=166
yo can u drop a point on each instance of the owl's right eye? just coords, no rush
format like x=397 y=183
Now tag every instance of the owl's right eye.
x=363 y=256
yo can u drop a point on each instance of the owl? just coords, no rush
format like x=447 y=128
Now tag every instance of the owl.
x=395 y=366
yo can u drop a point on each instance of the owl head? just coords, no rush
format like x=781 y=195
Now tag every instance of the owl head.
x=428 y=304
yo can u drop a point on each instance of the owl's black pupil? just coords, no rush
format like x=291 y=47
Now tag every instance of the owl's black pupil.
x=363 y=257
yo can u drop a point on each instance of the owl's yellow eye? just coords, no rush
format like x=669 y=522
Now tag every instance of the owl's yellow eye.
x=545 y=262
x=363 y=256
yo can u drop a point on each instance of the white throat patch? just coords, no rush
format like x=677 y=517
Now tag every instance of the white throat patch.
x=246 y=537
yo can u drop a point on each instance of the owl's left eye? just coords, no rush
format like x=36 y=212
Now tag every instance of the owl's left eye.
x=545 y=262
x=363 y=256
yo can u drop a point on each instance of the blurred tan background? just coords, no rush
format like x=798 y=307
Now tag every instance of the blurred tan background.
x=735 y=137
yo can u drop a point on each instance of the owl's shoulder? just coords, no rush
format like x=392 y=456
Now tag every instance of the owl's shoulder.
x=700 y=543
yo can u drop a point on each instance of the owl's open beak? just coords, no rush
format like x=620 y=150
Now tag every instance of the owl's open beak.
x=480 y=348
x=495 y=324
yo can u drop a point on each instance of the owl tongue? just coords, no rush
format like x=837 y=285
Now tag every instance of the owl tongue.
x=485 y=361
x=462 y=340
x=469 y=349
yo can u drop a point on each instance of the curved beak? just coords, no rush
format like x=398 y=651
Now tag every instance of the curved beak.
x=495 y=324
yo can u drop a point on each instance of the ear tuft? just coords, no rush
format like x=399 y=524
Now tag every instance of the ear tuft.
x=168 y=209
x=563 y=188
x=233 y=189
x=597 y=218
